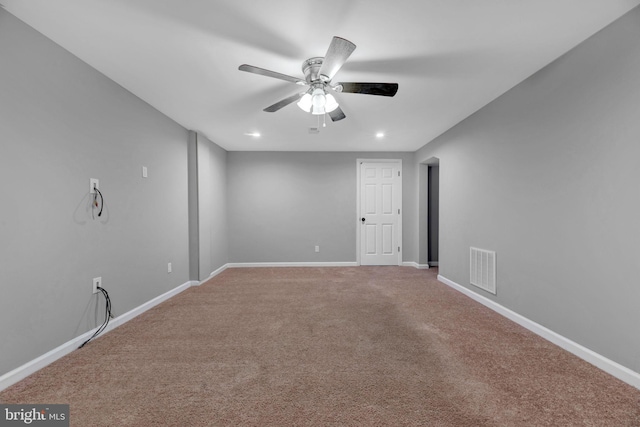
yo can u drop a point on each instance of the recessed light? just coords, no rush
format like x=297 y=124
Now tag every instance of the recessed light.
x=380 y=135
x=253 y=134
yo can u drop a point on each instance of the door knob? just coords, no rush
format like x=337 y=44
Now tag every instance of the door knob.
x=362 y=219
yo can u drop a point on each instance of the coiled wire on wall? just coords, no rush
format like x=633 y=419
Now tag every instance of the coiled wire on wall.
x=95 y=203
x=107 y=316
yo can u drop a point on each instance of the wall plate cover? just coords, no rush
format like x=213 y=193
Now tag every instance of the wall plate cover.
x=97 y=282
x=93 y=183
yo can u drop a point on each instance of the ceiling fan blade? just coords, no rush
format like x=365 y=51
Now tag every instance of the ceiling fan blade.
x=339 y=51
x=278 y=105
x=382 y=89
x=269 y=73
x=337 y=114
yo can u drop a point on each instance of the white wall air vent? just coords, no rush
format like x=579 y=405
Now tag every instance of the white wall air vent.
x=483 y=269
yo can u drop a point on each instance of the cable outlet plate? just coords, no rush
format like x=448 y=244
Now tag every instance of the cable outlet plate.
x=97 y=282
x=93 y=183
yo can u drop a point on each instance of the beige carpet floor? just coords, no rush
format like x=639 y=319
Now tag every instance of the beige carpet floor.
x=361 y=346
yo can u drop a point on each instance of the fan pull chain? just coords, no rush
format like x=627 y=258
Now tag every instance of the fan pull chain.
x=324 y=120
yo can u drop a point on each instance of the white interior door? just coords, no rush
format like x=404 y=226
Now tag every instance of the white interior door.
x=380 y=193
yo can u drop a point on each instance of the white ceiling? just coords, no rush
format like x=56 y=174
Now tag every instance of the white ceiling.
x=449 y=57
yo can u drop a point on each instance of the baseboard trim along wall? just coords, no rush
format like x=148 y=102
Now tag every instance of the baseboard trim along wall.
x=416 y=265
x=38 y=363
x=613 y=368
x=291 y=264
x=212 y=275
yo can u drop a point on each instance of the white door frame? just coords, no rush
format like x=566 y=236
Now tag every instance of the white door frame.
x=358 y=213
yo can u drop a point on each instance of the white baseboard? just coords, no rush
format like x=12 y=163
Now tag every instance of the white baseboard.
x=309 y=264
x=38 y=363
x=217 y=271
x=213 y=274
x=613 y=368
x=291 y=264
x=416 y=265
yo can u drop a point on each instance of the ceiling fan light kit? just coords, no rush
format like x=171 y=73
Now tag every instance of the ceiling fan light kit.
x=318 y=73
x=330 y=104
x=305 y=102
x=317 y=102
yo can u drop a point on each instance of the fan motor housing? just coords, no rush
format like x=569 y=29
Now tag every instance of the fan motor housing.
x=311 y=68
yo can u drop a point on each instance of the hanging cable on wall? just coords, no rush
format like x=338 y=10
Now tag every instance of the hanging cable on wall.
x=107 y=315
x=97 y=204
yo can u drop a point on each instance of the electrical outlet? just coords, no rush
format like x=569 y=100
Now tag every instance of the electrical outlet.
x=169 y=268
x=317 y=248
x=144 y=172
x=93 y=183
x=97 y=282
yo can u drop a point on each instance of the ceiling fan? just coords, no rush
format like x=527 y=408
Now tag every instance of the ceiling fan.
x=318 y=73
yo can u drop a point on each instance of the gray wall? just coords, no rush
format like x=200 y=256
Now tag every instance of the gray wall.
x=547 y=176
x=61 y=123
x=281 y=205
x=212 y=207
